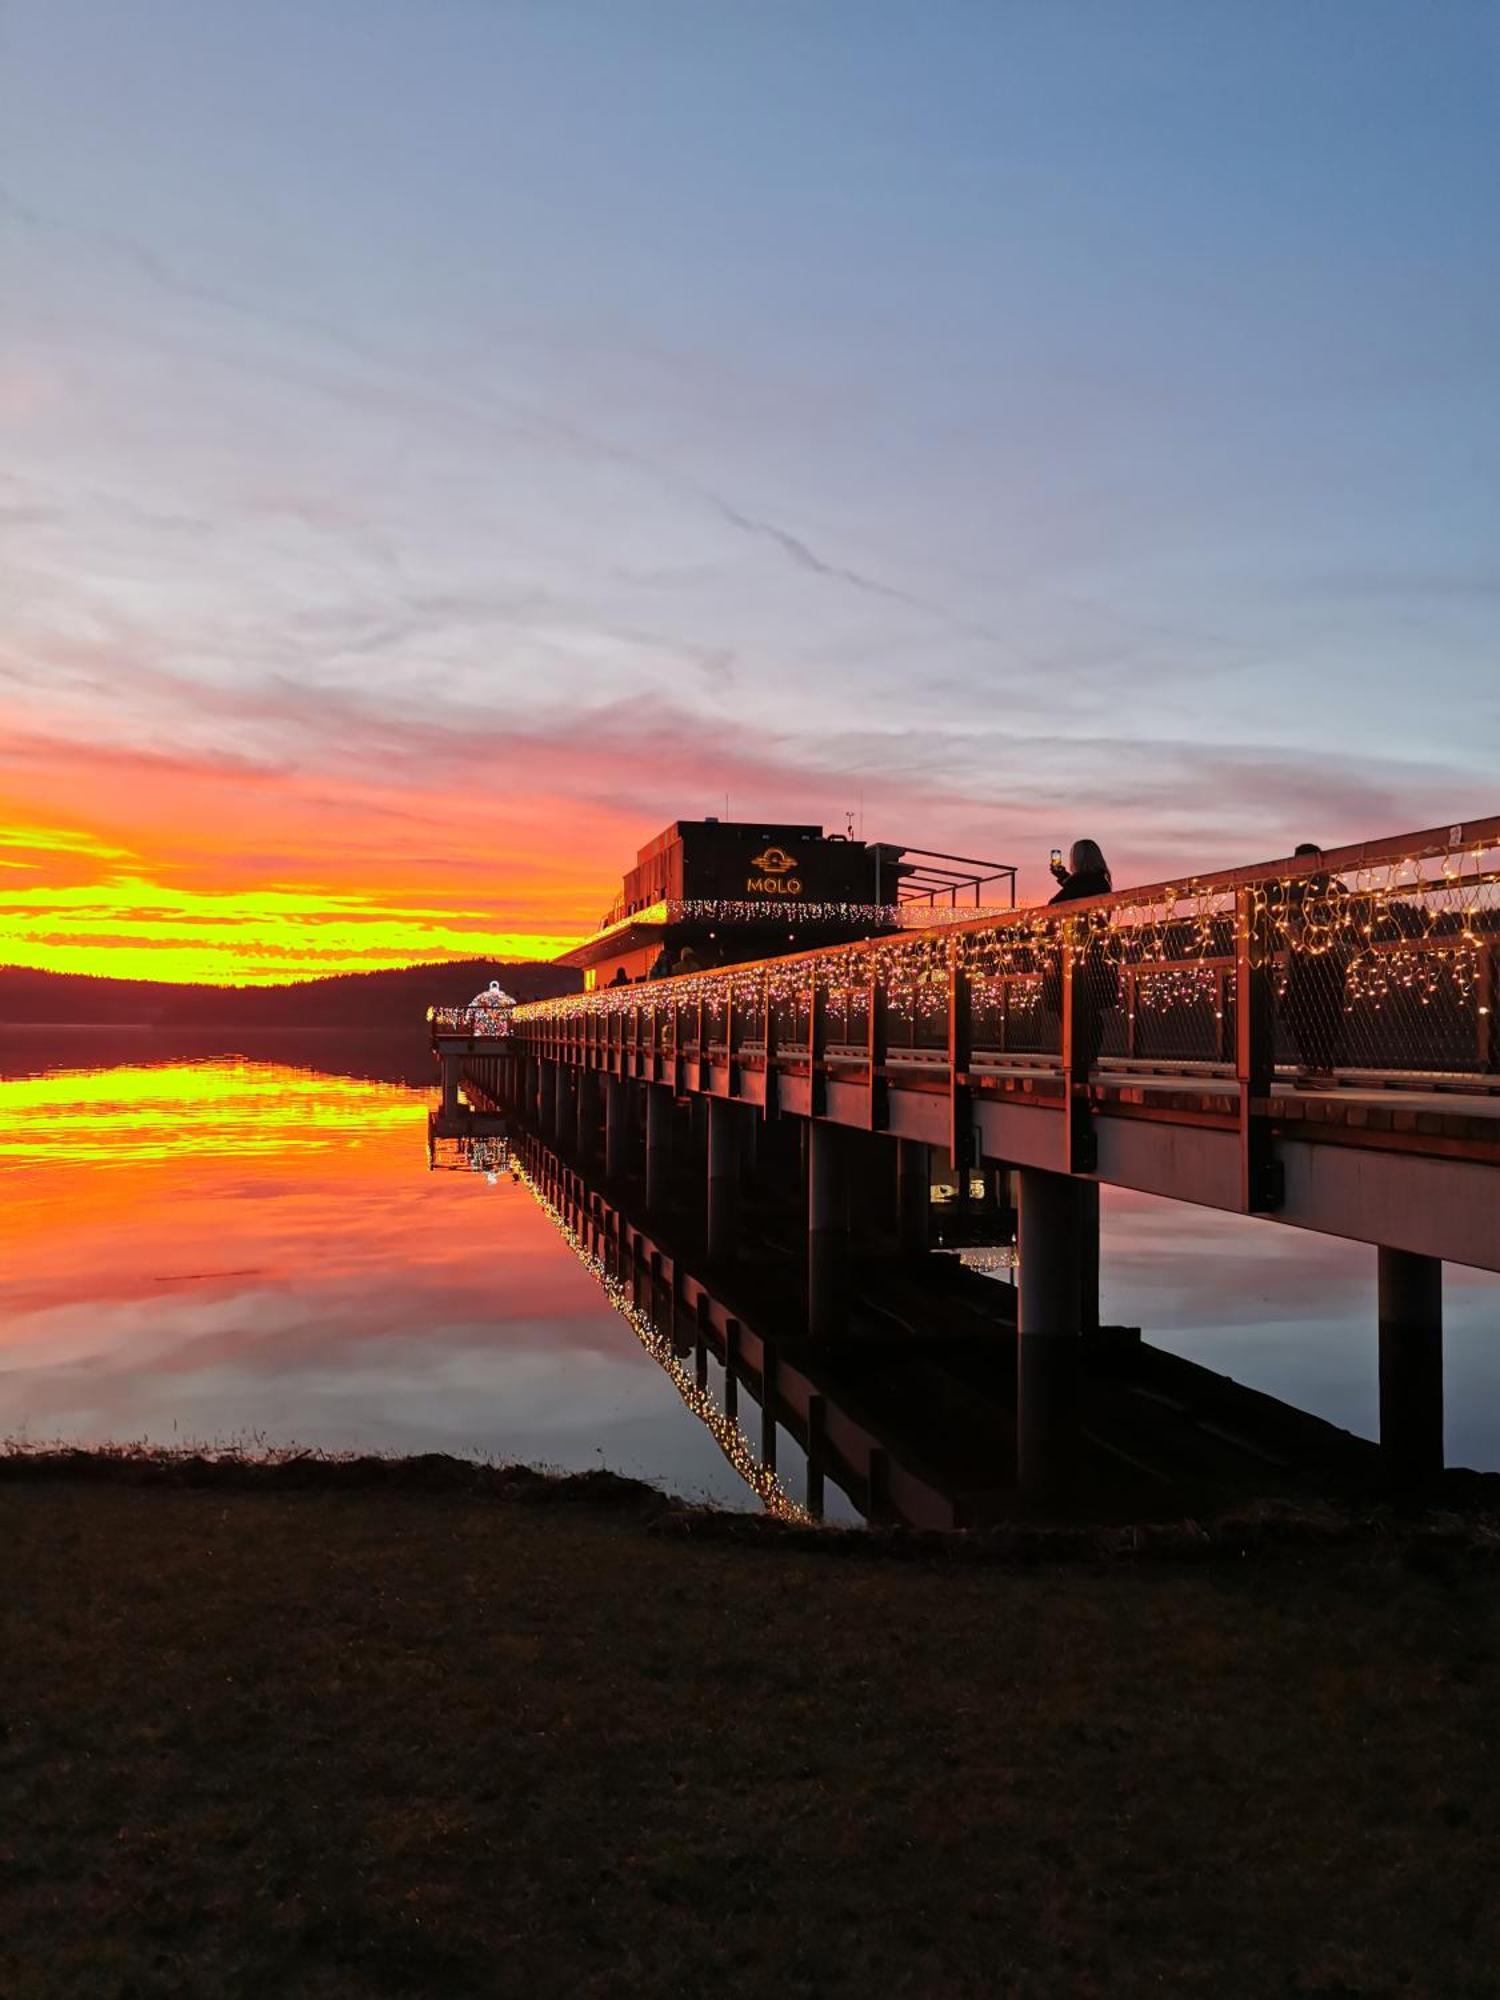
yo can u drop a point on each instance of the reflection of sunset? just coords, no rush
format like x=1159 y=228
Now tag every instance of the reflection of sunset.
x=118 y=1117
x=233 y=1250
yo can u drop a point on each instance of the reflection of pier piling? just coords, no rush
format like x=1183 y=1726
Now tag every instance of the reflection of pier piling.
x=916 y=1411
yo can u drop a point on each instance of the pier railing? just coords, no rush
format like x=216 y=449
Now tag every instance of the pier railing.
x=484 y=1022
x=1380 y=957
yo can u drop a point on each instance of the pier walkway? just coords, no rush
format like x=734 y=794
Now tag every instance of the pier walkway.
x=1310 y=1041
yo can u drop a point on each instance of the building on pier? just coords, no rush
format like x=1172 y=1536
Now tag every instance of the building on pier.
x=727 y=891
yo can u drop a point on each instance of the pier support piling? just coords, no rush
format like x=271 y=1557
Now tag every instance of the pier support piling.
x=1054 y=1218
x=913 y=1197
x=658 y=1144
x=827 y=1231
x=1088 y=1255
x=450 y=1086
x=723 y=1178
x=587 y=1104
x=1411 y=1368
x=616 y=1127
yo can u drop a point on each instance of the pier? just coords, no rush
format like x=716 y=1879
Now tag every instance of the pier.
x=1308 y=1041
x=911 y=1416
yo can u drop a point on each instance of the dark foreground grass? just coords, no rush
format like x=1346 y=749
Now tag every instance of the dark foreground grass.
x=263 y=1740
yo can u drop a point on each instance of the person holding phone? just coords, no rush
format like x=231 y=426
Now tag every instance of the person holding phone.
x=1086 y=874
x=1095 y=977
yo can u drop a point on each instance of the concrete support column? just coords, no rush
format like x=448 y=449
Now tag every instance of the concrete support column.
x=567 y=1104
x=1050 y=1322
x=913 y=1197
x=616 y=1127
x=546 y=1098
x=870 y=1190
x=723 y=1178
x=658 y=1145
x=1088 y=1255
x=749 y=1145
x=450 y=1086
x=768 y=1406
x=1411 y=1367
x=587 y=1103
x=827 y=1231
x=816 y=1420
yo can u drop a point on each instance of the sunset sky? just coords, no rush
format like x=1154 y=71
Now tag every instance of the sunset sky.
x=444 y=442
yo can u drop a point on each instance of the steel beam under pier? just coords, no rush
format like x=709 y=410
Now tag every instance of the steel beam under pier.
x=827 y=1231
x=1054 y=1218
x=723 y=1177
x=658 y=1145
x=1411 y=1368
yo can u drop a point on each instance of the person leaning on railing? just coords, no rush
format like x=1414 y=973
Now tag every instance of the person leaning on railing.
x=1096 y=980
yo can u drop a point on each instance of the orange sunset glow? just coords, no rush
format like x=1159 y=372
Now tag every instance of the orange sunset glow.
x=159 y=870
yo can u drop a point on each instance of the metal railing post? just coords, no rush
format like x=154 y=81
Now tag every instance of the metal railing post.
x=878 y=1115
x=817 y=1044
x=773 y=1070
x=1255 y=1049
x=960 y=1054
x=1486 y=1038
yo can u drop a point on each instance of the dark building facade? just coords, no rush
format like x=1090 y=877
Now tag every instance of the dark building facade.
x=731 y=890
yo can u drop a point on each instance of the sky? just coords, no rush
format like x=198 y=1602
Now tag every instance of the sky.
x=442 y=444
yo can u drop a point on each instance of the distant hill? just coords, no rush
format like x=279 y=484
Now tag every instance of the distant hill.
x=396 y=999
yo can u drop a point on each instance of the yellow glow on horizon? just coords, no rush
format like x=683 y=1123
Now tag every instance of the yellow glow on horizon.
x=129 y=927
x=163 y=1111
x=47 y=840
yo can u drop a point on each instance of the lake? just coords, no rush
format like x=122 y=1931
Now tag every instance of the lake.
x=205 y=1244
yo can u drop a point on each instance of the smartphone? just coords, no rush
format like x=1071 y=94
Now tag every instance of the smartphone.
x=1057 y=857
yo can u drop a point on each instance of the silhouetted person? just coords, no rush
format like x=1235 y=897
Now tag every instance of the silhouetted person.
x=661 y=965
x=621 y=978
x=687 y=960
x=1318 y=954
x=1096 y=980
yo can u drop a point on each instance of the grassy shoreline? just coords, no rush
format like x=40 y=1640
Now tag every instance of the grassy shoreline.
x=419 y=1726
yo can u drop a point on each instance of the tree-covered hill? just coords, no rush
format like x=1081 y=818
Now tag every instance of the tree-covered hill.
x=364 y=1000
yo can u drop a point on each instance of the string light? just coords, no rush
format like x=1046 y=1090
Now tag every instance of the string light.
x=783 y=910
x=731 y=1440
x=1419 y=931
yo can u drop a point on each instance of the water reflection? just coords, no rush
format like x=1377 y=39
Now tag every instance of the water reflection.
x=1292 y=1313
x=240 y=1248
x=247 y=1251
x=716 y=1414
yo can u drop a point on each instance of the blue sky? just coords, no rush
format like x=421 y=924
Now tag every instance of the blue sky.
x=542 y=421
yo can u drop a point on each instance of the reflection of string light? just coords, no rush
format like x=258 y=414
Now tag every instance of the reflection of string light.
x=1419 y=929
x=727 y=1434
x=987 y=1258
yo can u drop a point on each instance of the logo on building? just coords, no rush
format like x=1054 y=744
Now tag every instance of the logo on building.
x=775 y=877
x=775 y=861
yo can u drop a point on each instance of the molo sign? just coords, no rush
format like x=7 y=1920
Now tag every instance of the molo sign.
x=776 y=877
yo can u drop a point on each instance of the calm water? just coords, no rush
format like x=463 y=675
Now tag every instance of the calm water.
x=248 y=1248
